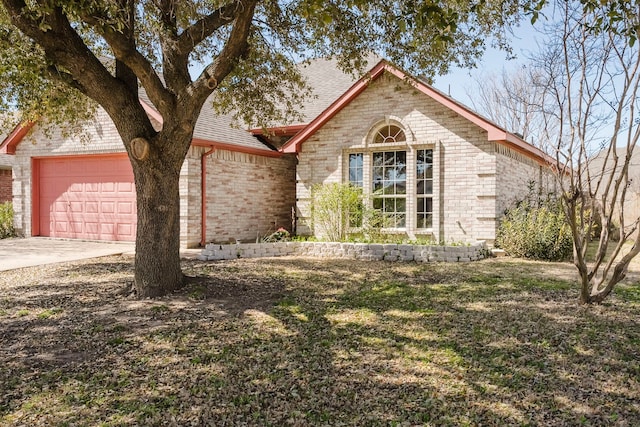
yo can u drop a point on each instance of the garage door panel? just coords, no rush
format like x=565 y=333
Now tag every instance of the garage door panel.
x=108 y=207
x=125 y=229
x=125 y=208
x=107 y=187
x=106 y=228
x=87 y=197
x=92 y=207
x=76 y=207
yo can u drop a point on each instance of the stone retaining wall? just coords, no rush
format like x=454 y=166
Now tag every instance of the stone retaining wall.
x=361 y=251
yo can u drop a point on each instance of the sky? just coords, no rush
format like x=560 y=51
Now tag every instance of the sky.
x=461 y=81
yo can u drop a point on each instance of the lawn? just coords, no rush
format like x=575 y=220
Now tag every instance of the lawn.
x=307 y=342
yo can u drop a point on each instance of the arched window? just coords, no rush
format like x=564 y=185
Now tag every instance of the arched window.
x=389 y=133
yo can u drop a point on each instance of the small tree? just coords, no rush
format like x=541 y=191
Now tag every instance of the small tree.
x=335 y=208
x=590 y=66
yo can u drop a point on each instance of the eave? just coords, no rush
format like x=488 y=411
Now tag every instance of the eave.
x=494 y=132
x=8 y=146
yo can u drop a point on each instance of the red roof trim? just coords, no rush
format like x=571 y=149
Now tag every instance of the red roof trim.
x=494 y=132
x=293 y=145
x=10 y=143
x=237 y=148
x=151 y=112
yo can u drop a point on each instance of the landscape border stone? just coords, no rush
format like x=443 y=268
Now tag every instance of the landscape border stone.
x=359 y=251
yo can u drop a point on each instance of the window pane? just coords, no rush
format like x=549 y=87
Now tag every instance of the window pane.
x=378 y=159
x=377 y=203
x=388 y=188
x=428 y=187
x=389 y=133
x=424 y=172
x=355 y=169
x=401 y=220
x=401 y=205
x=378 y=173
x=425 y=212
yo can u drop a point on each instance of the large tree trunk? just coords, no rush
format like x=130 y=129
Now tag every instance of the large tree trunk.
x=157 y=263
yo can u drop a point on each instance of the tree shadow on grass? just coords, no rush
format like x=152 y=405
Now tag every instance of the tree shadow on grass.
x=323 y=342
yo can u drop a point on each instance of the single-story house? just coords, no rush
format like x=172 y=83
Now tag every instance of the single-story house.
x=431 y=165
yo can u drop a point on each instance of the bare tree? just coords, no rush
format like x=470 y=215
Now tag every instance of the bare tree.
x=512 y=101
x=590 y=75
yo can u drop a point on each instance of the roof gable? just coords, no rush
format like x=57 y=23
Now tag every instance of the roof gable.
x=8 y=146
x=494 y=132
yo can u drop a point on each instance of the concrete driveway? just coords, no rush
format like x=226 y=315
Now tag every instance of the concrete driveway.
x=18 y=253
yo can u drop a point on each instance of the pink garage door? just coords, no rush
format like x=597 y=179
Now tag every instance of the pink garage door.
x=91 y=197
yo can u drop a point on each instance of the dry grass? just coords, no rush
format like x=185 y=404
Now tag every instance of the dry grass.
x=317 y=342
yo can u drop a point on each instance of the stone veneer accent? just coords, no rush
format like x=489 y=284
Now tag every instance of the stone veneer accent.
x=360 y=251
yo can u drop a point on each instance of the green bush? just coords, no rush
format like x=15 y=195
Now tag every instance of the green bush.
x=6 y=220
x=536 y=230
x=335 y=208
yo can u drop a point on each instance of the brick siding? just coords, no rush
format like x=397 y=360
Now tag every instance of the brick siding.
x=472 y=183
x=6 y=184
x=247 y=194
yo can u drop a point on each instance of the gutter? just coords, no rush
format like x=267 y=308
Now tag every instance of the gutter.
x=203 y=195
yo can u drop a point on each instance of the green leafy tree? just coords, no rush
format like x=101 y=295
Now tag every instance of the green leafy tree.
x=59 y=59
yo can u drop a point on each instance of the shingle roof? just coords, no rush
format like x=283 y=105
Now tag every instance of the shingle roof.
x=214 y=127
x=328 y=83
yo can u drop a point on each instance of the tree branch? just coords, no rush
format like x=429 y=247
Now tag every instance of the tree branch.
x=236 y=46
x=124 y=50
x=64 y=47
x=203 y=28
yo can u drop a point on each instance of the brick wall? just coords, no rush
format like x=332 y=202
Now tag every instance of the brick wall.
x=464 y=162
x=6 y=184
x=516 y=173
x=248 y=196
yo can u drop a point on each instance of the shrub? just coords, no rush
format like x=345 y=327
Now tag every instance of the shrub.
x=335 y=208
x=6 y=220
x=280 y=235
x=536 y=230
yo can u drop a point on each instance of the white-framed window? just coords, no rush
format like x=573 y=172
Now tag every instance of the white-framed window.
x=356 y=172
x=389 y=181
x=424 y=189
x=397 y=177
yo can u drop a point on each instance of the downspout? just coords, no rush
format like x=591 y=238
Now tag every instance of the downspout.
x=203 y=195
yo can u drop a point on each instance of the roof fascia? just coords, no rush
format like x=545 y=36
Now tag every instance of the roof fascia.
x=10 y=143
x=290 y=130
x=235 y=148
x=293 y=145
x=494 y=132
